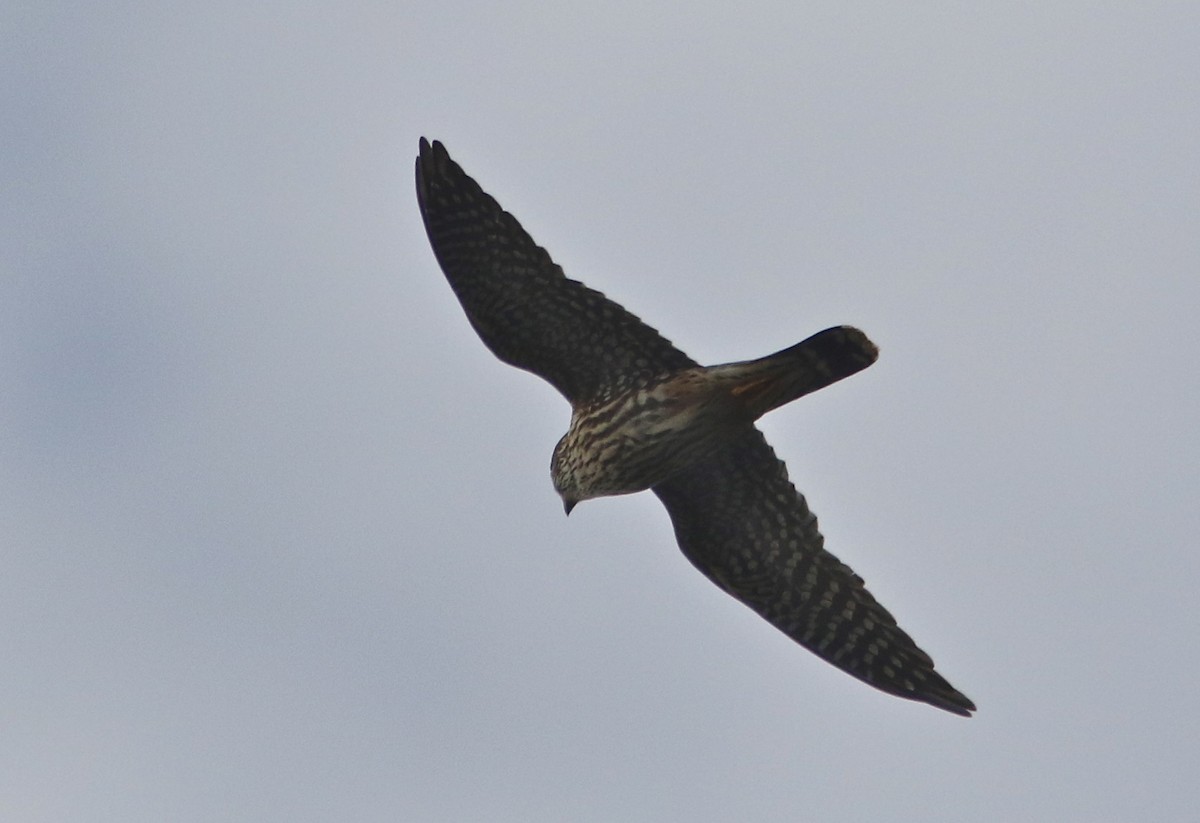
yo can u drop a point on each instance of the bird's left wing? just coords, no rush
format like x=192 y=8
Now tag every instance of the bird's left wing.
x=520 y=302
x=740 y=521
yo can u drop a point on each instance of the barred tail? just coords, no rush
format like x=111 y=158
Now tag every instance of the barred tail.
x=780 y=378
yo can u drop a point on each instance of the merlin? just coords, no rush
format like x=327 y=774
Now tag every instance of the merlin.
x=646 y=416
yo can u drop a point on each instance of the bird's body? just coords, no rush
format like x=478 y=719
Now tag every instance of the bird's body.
x=645 y=435
x=645 y=416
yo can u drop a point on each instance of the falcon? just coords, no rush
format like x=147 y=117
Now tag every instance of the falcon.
x=646 y=416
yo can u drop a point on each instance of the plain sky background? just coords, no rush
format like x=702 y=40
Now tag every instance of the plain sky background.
x=277 y=536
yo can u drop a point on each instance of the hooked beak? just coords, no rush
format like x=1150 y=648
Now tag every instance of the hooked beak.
x=568 y=504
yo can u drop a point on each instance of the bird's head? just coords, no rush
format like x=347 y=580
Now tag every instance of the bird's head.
x=563 y=472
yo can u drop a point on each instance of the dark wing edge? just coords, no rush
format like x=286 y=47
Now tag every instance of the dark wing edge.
x=519 y=301
x=742 y=523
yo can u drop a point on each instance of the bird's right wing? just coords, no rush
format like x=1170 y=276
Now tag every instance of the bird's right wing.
x=520 y=302
x=740 y=521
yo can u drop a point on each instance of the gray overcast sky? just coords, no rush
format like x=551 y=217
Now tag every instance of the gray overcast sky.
x=279 y=540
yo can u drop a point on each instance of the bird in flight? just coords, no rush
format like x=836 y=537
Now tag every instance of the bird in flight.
x=646 y=416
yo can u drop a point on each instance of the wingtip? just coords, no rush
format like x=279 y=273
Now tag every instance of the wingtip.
x=920 y=682
x=432 y=158
x=431 y=148
x=427 y=150
x=940 y=694
x=956 y=703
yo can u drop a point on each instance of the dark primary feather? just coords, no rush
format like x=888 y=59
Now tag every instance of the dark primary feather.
x=520 y=302
x=740 y=521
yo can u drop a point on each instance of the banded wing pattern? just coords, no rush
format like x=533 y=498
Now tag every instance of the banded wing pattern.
x=519 y=301
x=740 y=521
